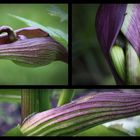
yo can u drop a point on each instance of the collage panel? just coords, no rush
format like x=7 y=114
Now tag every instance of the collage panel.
x=43 y=94
x=34 y=44
x=69 y=112
x=105 y=44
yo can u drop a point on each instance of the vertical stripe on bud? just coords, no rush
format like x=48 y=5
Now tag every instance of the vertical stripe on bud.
x=118 y=59
x=133 y=65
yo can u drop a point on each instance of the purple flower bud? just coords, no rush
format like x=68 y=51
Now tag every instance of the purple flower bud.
x=118 y=25
x=83 y=113
x=30 y=47
x=109 y=20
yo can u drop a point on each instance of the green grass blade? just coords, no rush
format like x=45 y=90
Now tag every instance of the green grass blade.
x=14 y=132
x=10 y=95
x=66 y=96
x=102 y=131
x=57 y=34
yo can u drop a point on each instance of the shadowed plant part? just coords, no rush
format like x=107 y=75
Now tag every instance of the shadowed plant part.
x=83 y=113
x=31 y=47
x=29 y=102
x=117 y=27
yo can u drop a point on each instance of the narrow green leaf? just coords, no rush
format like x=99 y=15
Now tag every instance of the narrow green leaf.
x=101 y=131
x=120 y=128
x=57 y=34
x=10 y=95
x=66 y=96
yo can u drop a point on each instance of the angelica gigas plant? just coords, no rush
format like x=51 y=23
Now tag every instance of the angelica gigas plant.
x=118 y=31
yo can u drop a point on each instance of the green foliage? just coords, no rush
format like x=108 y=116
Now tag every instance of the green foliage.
x=120 y=128
x=14 y=131
x=10 y=95
x=101 y=130
x=44 y=99
x=137 y=131
x=55 y=33
x=66 y=96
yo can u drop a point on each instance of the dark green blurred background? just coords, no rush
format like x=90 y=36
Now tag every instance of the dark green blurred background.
x=12 y=74
x=89 y=66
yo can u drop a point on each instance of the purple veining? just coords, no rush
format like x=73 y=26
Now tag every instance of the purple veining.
x=133 y=31
x=91 y=106
x=109 y=20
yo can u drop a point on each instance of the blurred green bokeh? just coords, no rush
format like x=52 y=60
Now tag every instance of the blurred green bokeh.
x=89 y=66
x=55 y=73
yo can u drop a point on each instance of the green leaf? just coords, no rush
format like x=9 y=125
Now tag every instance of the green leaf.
x=137 y=131
x=14 y=132
x=101 y=130
x=10 y=95
x=56 y=11
x=66 y=96
x=44 y=99
x=57 y=34
x=120 y=128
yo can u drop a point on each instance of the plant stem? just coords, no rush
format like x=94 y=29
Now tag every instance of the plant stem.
x=29 y=102
x=65 y=96
x=44 y=101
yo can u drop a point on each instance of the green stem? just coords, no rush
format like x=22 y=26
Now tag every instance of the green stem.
x=29 y=102
x=65 y=96
x=44 y=101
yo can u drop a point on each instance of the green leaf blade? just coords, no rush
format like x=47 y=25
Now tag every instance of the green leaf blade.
x=10 y=96
x=101 y=131
x=57 y=34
